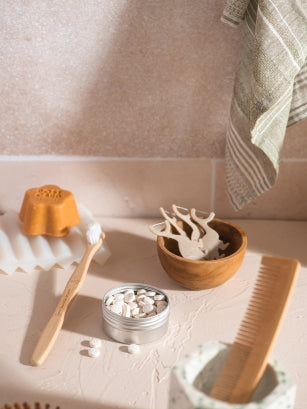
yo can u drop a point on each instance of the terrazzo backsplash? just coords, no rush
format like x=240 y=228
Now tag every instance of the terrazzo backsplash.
x=126 y=103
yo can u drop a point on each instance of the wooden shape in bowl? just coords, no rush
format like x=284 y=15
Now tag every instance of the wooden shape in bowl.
x=204 y=274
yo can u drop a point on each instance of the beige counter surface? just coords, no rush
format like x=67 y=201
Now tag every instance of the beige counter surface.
x=116 y=379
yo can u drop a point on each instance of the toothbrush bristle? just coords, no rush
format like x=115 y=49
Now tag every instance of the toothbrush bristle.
x=93 y=232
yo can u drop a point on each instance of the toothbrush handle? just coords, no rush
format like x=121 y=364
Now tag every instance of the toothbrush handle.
x=47 y=339
x=54 y=325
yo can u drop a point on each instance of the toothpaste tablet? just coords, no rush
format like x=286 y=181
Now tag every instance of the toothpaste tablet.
x=139 y=303
x=95 y=342
x=133 y=348
x=93 y=352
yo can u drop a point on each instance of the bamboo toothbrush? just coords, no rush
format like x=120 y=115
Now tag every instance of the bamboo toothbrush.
x=248 y=357
x=94 y=237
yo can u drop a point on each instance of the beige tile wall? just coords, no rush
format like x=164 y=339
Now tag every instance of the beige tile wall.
x=126 y=103
x=138 y=187
x=113 y=187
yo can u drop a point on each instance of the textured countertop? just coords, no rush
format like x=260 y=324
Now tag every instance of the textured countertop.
x=117 y=379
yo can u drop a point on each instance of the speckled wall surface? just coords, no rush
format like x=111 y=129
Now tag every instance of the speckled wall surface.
x=128 y=78
x=121 y=79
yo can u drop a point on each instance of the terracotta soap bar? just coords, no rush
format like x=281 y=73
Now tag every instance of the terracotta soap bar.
x=48 y=210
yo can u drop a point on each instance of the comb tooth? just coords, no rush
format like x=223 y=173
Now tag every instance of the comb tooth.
x=252 y=322
x=255 y=305
x=250 y=325
x=244 y=333
x=258 y=301
x=261 y=296
x=242 y=339
x=256 y=296
x=256 y=310
x=17 y=406
x=263 y=290
x=247 y=334
x=228 y=377
x=254 y=318
x=26 y=405
x=249 y=320
x=269 y=280
x=37 y=405
x=266 y=286
x=247 y=340
x=267 y=277
x=253 y=313
x=247 y=331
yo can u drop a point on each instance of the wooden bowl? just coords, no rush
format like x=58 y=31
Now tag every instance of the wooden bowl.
x=204 y=274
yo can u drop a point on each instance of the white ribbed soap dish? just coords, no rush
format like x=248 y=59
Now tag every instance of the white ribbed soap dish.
x=20 y=251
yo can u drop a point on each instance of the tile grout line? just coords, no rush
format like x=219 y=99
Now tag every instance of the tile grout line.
x=213 y=182
x=76 y=158
x=84 y=158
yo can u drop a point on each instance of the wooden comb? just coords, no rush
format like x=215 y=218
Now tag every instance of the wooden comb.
x=249 y=354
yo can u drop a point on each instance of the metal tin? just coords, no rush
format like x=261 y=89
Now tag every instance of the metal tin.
x=134 y=330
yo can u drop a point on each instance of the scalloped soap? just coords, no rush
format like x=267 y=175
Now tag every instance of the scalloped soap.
x=48 y=210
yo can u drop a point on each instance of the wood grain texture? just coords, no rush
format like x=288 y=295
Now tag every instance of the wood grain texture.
x=204 y=274
x=54 y=325
x=258 y=332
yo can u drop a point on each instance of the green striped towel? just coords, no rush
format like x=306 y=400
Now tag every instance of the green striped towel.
x=270 y=91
